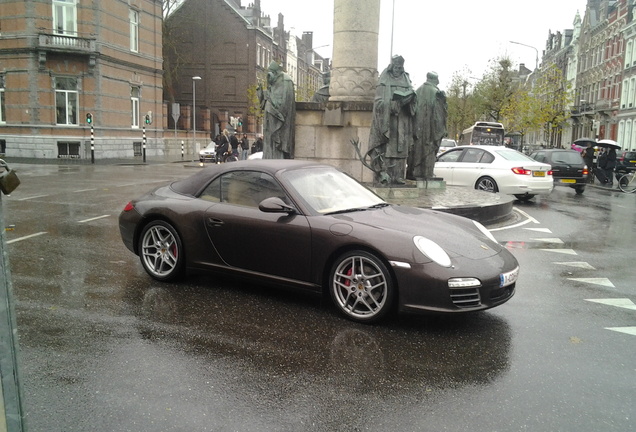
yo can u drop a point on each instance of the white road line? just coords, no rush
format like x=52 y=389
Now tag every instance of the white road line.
x=549 y=240
x=522 y=223
x=526 y=215
x=563 y=251
x=95 y=218
x=596 y=281
x=543 y=230
x=25 y=237
x=85 y=190
x=577 y=264
x=32 y=197
x=628 y=330
x=618 y=302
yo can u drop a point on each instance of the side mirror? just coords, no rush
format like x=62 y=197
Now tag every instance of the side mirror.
x=275 y=205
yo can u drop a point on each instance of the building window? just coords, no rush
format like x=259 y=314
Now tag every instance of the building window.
x=134 y=30
x=66 y=100
x=68 y=150
x=134 y=106
x=137 y=148
x=3 y=118
x=65 y=17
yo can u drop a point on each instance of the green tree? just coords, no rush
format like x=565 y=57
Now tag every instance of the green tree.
x=553 y=96
x=494 y=92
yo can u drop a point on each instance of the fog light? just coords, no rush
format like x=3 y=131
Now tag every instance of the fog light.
x=463 y=283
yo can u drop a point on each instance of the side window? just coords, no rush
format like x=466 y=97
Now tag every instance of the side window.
x=472 y=155
x=450 y=156
x=539 y=157
x=487 y=158
x=244 y=188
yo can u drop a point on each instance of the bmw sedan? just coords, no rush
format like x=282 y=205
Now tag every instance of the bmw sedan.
x=312 y=227
x=495 y=169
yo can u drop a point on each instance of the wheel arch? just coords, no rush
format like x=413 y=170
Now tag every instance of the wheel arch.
x=148 y=219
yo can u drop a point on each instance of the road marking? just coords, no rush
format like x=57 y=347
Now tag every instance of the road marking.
x=596 y=281
x=526 y=215
x=618 y=302
x=95 y=218
x=32 y=197
x=85 y=190
x=549 y=240
x=563 y=251
x=25 y=237
x=628 y=330
x=577 y=264
x=543 y=230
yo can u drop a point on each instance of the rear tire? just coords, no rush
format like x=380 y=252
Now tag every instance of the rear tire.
x=524 y=197
x=627 y=183
x=487 y=184
x=579 y=189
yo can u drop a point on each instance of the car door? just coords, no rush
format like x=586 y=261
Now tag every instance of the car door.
x=247 y=238
x=470 y=167
x=446 y=163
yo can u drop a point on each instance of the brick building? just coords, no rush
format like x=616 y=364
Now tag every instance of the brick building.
x=63 y=59
x=230 y=46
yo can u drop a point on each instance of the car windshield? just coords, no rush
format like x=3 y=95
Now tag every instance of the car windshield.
x=448 y=143
x=513 y=155
x=327 y=190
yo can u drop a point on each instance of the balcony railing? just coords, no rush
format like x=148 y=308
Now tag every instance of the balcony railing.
x=57 y=42
x=586 y=108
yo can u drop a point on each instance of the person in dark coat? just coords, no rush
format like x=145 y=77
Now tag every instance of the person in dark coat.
x=588 y=157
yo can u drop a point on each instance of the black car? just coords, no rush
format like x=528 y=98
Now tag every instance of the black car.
x=568 y=167
x=625 y=163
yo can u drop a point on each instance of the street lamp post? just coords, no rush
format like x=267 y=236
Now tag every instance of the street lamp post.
x=536 y=61
x=194 y=112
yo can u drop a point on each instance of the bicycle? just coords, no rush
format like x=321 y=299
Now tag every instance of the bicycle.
x=627 y=182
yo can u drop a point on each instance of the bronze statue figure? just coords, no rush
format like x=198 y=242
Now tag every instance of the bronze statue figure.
x=279 y=104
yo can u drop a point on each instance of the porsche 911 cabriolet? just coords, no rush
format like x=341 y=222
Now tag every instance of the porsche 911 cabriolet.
x=310 y=226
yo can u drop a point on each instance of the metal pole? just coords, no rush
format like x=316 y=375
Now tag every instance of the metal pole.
x=92 y=144
x=536 y=59
x=11 y=410
x=144 y=141
x=194 y=111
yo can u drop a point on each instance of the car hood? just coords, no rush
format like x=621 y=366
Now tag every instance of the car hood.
x=457 y=235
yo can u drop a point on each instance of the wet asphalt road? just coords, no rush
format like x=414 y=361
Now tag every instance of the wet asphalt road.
x=106 y=348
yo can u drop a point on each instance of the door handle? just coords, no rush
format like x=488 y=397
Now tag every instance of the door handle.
x=214 y=222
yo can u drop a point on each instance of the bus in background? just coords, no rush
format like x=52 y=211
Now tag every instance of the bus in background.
x=483 y=133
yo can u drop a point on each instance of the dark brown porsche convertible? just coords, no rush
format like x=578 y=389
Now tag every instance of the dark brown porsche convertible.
x=313 y=227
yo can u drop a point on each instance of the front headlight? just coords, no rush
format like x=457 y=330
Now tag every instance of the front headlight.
x=432 y=250
x=484 y=231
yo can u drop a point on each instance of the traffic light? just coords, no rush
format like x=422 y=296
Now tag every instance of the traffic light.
x=148 y=118
x=240 y=121
x=89 y=118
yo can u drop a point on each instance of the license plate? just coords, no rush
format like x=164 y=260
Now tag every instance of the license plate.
x=632 y=161
x=538 y=173
x=509 y=278
x=568 y=181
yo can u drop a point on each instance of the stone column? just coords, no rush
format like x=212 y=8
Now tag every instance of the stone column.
x=354 y=73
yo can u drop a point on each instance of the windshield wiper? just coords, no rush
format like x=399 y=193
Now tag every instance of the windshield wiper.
x=349 y=210
x=379 y=205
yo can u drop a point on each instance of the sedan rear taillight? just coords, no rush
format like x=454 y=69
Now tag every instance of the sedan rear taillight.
x=129 y=207
x=522 y=171
x=586 y=171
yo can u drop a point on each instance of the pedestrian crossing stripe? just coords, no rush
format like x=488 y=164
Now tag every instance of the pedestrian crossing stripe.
x=618 y=302
x=563 y=251
x=549 y=240
x=543 y=230
x=577 y=264
x=596 y=281
x=627 y=330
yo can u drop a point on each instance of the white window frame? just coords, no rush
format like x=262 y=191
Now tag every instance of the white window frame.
x=65 y=17
x=135 y=96
x=134 y=30
x=71 y=103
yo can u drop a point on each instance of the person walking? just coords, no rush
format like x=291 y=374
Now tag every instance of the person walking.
x=588 y=157
x=245 y=147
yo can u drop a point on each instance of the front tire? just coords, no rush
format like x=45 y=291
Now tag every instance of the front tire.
x=487 y=184
x=627 y=183
x=161 y=251
x=361 y=287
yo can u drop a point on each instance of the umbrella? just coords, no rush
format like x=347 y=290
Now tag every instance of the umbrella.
x=608 y=143
x=584 y=141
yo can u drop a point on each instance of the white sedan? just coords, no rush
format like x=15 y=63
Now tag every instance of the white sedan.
x=495 y=169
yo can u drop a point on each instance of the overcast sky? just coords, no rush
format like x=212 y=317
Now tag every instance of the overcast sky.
x=442 y=35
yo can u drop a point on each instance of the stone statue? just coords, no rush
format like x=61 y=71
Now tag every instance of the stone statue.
x=430 y=128
x=392 y=127
x=322 y=94
x=279 y=105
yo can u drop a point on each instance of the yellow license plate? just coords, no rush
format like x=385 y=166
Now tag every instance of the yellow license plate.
x=632 y=161
x=538 y=173
x=568 y=181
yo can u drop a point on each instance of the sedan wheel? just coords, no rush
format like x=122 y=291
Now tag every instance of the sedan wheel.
x=161 y=252
x=361 y=287
x=487 y=184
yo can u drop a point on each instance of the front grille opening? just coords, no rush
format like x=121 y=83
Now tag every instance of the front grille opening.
x=465 y=297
